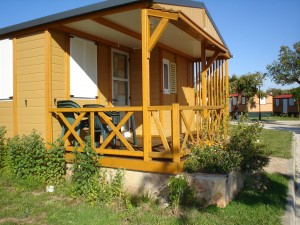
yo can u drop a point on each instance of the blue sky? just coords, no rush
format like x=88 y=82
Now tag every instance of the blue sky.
x=253 y=30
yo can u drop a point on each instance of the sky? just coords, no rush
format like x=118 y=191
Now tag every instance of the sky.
x=253 y=30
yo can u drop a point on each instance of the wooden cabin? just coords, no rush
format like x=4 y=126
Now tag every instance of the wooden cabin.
x=162 y=65
x=285 y=105
x=264 y=105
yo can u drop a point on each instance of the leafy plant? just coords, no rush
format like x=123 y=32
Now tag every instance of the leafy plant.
x=212 y=157
x=85 y=179
x=26 y=156
x=55 y=162
x=2 y=146
x=244 y=139
x=180 y=192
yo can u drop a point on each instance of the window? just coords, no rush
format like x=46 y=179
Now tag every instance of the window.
x=234 y=101
x=6 y=69
x=263 y=100
x=169 y=77
x=166 y=74
x=243 y=100
x=83 y=68
x=291 y=101
x=276 y=102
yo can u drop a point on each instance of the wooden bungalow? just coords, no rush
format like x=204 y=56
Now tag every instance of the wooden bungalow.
x=285 y=105
x=264 y=105
x=162 y=65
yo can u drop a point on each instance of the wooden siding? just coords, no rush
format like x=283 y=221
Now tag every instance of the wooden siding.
x=30 y=61
x=198 y=16
x=58 y=69
x=6 y=118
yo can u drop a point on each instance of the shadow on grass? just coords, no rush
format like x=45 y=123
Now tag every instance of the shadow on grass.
x=275 y=194
x=266 y=206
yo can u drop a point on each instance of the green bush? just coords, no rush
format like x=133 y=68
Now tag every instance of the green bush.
x=180 y=193
x=210 y=157
x=26 y=157
x=85 y=178
x=244 y=139
x=55 y=163
x=2 y=147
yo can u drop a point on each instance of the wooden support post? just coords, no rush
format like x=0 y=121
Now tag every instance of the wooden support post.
x=204 y=86
x=175 y=133
x=226 y=114
x=145 y=83
x=48 y=88
x=15 y=87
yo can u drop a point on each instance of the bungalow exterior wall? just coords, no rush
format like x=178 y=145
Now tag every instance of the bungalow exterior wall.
x=32 y=82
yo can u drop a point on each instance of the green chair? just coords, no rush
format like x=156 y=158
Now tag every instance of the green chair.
x=70 y=116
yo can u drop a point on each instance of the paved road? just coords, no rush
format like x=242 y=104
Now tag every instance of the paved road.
x=292 y=215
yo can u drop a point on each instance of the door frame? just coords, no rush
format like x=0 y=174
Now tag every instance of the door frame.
x=113 y=50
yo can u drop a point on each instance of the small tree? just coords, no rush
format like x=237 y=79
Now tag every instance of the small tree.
x=286 y=70
x=247 y=85
x=296 y=95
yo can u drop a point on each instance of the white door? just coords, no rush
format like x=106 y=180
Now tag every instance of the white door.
x=285 y=106
x=120 y=80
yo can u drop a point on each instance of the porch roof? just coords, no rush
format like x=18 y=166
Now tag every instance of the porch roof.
x=123 y=27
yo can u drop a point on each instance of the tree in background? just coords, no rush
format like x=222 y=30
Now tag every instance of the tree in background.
x=277 y=91
x=286 y=70
x=247 y=85
x=296 y=95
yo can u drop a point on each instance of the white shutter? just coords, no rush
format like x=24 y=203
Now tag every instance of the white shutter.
x=83 y=68
x=6 y=68
x=173 y=80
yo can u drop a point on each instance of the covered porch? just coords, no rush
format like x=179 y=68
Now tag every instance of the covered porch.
x=164 y=130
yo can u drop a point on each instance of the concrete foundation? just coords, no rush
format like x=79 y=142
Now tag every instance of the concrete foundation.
x=210 y=189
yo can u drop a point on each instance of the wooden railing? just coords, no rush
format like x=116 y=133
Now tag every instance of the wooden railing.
x=186 y=125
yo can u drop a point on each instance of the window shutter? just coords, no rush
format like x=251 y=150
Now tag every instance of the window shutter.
x=173 y=78
x=83 y=68
x=6 y=68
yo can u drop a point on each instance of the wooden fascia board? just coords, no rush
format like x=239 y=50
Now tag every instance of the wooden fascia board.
x=162 y=14
x=93 y=38
x=117 y=27
x=184 y=23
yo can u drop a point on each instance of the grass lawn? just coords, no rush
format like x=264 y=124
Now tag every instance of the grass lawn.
x=278 y=142
x=25 y=206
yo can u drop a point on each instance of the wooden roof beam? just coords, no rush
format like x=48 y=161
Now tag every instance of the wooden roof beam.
x=92 y=38
x=117 y=27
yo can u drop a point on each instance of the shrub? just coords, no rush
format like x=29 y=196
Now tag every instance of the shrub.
x=2 y=147
x=55 y=162
x=85 y=179
x=244 y=139
x=180 y=193
x=212 y=157
x=26 y=156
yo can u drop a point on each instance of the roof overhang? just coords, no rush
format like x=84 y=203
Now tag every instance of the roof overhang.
x=118 y=23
